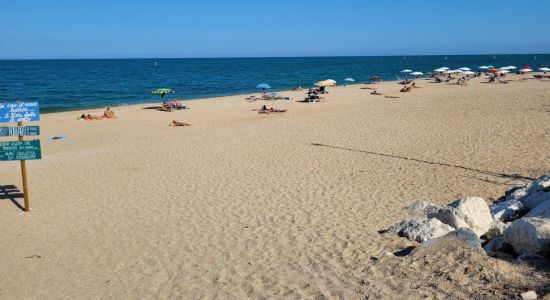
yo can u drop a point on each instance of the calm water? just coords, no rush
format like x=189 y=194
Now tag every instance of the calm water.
x=73 y=84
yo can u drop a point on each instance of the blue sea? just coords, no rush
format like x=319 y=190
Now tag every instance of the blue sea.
x=77 y=84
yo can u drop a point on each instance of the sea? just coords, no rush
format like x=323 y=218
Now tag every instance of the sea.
x=77 y=84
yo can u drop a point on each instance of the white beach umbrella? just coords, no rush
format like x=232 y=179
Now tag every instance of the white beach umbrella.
x=406 y=71
x=440 y=70
x=544 y=69
x=331 y=80
x=465 y=69
x=416 y=74
x=483 y=67
x=458 y=71
x=525 y=70
x=469 y=73
x=504 y=71
x=511 y=67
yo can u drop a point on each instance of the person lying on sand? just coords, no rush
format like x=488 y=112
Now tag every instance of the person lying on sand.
x=375 y=92
x=89 y=117
x=178 y=124
x=391 y=97
x=109 y=114
x=406 y=89
x=265 y=110
x=414 y=86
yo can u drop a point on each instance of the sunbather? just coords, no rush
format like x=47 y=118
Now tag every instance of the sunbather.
x=414 y=86
x=109 y=114
x=406 y=89
x=265 y=110
x=375 y=92
x=89 y=117
x=178 y=124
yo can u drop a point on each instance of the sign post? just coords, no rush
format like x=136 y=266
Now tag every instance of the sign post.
x=11 y=112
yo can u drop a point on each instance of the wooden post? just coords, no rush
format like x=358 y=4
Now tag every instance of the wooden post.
x=24 y=175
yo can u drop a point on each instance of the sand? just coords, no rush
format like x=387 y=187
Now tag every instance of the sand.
x=242 y=205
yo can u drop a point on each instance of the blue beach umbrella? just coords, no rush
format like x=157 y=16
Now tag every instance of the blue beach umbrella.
x=263 y=86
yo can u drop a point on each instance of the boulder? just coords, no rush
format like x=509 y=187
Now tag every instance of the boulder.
x=529 y=234
x=420 y=229
x=469 y=212
x=496 y=230
x=495 y=245
x=463 y=234
x=534 y=193
x=420 y=205
x=542 y=210
x=507 y=210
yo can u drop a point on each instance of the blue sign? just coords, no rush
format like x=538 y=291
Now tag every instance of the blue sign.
x=11 y=112
x=20 y=131
x=20 y=150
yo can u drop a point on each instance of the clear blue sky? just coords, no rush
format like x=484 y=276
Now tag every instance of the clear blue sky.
x=243 y=28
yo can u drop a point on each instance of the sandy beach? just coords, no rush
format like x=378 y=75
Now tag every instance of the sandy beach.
x=248 y=206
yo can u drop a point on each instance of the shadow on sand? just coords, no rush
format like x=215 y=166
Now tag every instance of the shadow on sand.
x=484 y=172
x=12 y=193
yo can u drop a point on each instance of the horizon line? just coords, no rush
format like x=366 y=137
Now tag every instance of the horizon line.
x=249 y=57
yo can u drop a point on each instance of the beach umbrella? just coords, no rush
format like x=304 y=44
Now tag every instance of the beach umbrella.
x=406 y=71
x=349 y=79
x=484 y=67
x=469 y=73
x=440 y=70
x=504 y=71
x=263 y=86
x=544 y=69
x=490 y=66
x=526 y=67
x=493 y=70
x=416 y=74
x=465 y=69
x=526 y=70
x=331 y=80
x=163 y=91
x=324 y=83
x=511 y=67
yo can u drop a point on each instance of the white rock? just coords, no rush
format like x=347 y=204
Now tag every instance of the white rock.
x=420 y=205
x=533 y=193
x=420 y=229
x=469 y=212
x=530 y=234
x=464 y=234
x=542 y=210
x=507 y=210
x=530 y=295
x=496 y=230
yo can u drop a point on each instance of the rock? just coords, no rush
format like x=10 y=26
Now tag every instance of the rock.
x=542 y=210
x=530 y=295
x=530 y=256
x=464 y=234
x=420 y=205
x=534 y=193
x=469 y=212
x=507 y=210
x=495 y=245
x=420 y=229
x=496 y=230
x=529 y=234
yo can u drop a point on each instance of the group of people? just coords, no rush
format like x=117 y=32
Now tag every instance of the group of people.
x=171 y=105
x=107 y=114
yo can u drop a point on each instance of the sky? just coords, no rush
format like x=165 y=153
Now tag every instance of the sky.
x=36 y=29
